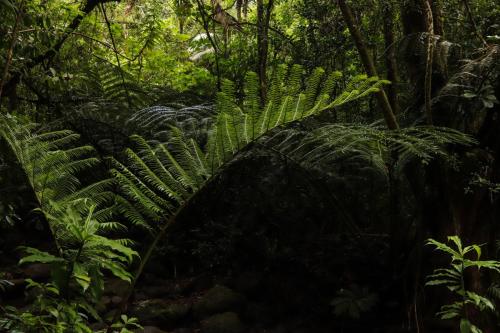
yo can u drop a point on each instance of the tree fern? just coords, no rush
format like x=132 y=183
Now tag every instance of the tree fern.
x=116 y=85
x=237 y=125
x=156 y=122
x=158 y=180
x=365 y=145
x=51 y=163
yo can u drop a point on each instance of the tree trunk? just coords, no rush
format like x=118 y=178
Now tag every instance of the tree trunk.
x=205 y=21
x=429 y=60
x=245 y=9
x=10 y=51
x=239 y=5
x=263 y=18
x=416 y=23
x=437 y=14
x=368 y=63
x=390 y=57
x=413 y=21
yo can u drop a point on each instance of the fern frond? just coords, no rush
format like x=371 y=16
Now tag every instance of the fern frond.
x=176 y=168
x=131 y=213
x=136 y=190
x=236 y=126
x=369 y=144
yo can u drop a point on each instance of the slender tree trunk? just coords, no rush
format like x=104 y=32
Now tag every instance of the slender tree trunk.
x=239 y=5
x=390 y=56
x=206 y=27
x=426 y=66
x=368 y=63
x=437 y=17
x=429 y=60
x=181 y=25
x=115 y=50
x=473 y=22
x=263 y=18
x=10 y=52
x=245 y=9
x=413 y=22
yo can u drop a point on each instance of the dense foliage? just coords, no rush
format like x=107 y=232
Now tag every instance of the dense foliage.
x=249 y=166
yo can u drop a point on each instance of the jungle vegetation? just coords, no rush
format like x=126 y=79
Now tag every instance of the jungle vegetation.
x=223 y=166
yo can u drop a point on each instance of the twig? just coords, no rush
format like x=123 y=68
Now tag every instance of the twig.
x=103 y=9
x=473 y=22
x=212 y=41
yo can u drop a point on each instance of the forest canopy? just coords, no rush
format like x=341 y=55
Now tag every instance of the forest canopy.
x=223 y=166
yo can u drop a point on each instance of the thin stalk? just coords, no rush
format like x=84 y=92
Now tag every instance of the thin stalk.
x=212 y=41
x=462 y=285
x=368 y=63
x=473 y=22
x=115 y=50
x=72 y=269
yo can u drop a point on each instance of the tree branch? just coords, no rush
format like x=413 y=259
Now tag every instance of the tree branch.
x=87 y=7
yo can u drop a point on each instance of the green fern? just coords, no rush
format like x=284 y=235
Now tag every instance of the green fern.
x=159 y=179
x=77 y=275
x=453 y=279
x=365 y=145
x=4 y=284
x=156 y=179
x=50 y=162
x=238 y=125
x=116 y=86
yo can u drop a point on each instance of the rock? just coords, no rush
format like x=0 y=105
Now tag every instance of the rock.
x=96 y=327
x=103 y=304
x=149 y=329
x=248 y=282
x=259 y=314
x=217 y=300
x=160 y=312
x=158 y=291
x=197 y=284
x=183 y=330
x=140 y=296
x=37 y=271
x=116 y=287
x=227 y=322
x=115 y=300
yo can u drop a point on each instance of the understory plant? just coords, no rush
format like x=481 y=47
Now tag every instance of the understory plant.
x=157 y=180
x=78 y=218
x=463 y=259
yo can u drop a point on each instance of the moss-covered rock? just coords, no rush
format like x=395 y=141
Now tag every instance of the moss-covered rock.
x=227 y=322
x=160 y=313
x=217 y=300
